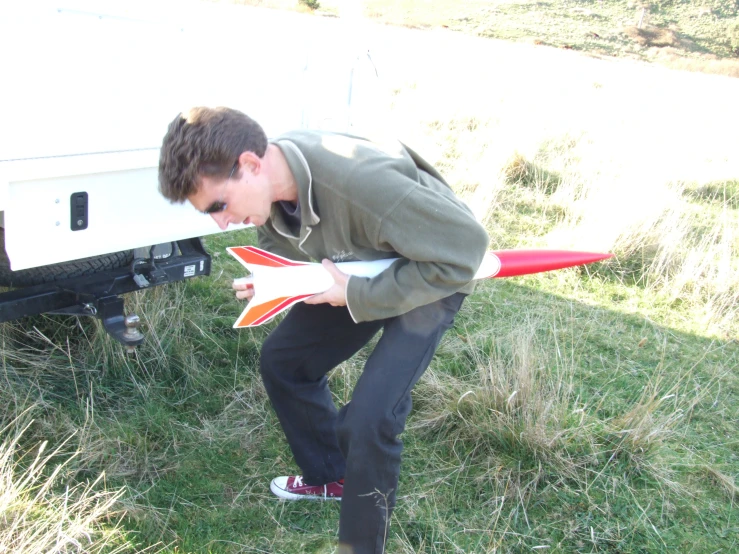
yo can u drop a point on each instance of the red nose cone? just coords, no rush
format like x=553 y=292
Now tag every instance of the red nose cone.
x=523 y=262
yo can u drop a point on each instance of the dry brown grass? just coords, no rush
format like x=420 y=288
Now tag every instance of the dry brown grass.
x=653 y=36
x=40 y=515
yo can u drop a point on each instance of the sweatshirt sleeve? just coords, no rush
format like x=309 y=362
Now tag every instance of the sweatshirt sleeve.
x=441 y=244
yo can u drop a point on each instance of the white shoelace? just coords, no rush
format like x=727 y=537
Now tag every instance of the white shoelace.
x=298 y=482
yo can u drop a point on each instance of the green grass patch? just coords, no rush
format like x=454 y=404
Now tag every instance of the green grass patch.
x=688 y=35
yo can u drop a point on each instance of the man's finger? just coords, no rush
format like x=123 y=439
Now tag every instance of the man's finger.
x=332 y=269
x=244 y=283
x=316 y=299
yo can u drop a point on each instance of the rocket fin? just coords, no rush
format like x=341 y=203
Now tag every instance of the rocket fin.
x=251 y=255
x=256 y=314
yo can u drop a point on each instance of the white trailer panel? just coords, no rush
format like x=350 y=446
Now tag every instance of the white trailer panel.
x=90 y=87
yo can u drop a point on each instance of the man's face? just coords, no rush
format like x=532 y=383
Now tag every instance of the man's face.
x=243 y=198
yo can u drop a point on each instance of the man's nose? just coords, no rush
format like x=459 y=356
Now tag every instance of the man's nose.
x=221 y=219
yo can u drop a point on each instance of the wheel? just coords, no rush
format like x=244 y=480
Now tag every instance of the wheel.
x=56 y=272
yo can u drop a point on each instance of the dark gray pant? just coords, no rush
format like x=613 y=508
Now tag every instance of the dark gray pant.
x=359 y=442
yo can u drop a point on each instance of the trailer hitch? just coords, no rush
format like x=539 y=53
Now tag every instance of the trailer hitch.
x=98 y=294
x=123 y=328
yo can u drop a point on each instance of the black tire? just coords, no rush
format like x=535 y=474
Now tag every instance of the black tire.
x=56 y=272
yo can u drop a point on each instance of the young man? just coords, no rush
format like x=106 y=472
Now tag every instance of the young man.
x=333 y=197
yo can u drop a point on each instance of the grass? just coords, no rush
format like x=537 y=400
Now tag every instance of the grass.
x=39 y=514
x=692 y=35
x=585 y=410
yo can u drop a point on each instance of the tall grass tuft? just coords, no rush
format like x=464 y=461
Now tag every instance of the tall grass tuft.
x=40 y=514
x=520 y=414
x=675 y=249
x=513 y=406
x=676 y=240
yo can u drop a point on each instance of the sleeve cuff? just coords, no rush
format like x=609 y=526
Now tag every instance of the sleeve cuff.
x=346 y=295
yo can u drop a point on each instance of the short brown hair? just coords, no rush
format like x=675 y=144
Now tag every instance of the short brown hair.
x=205 y=142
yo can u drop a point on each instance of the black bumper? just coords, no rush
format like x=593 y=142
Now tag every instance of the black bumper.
x=97 y=294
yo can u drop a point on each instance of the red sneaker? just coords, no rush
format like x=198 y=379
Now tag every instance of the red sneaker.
x=293 y=488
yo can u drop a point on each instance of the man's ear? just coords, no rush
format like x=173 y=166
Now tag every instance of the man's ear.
x=250 y=162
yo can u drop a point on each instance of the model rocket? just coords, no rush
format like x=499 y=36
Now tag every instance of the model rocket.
x=279 y=283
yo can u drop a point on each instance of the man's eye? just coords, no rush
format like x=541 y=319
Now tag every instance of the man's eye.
x=215 y=208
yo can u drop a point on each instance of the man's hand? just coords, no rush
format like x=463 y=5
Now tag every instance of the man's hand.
x=336 y=295
x=244 y=288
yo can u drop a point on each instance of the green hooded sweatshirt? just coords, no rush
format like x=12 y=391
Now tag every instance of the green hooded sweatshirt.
x=360 y=200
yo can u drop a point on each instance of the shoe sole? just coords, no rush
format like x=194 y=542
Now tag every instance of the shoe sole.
x=285 y=495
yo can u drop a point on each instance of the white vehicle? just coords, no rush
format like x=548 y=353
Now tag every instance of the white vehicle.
x=88 y=91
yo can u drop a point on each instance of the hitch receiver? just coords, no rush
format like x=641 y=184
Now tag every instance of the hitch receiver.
x=122 y=328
